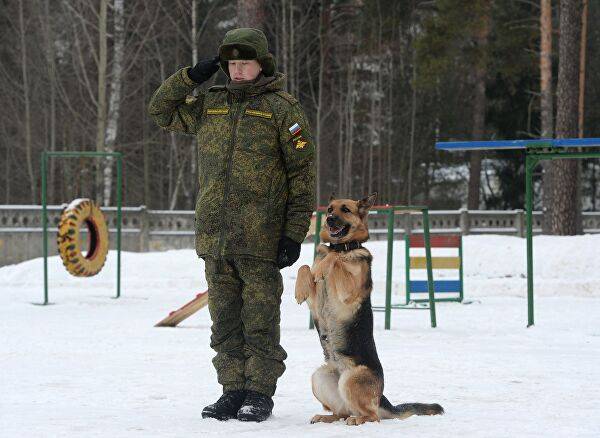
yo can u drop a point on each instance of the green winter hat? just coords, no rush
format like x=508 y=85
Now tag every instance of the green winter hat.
x=247 y=43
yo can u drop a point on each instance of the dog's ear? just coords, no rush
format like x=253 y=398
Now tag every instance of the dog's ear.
x=331 y=197
x=365 y=203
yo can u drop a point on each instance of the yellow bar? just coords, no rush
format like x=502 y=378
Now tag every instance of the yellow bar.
x=257 y=113
x=217 y=111
x=436 y=262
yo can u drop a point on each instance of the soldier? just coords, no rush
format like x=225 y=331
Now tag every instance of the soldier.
x=256 y=196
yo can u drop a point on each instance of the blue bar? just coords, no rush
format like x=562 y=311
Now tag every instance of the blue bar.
x=516 y=144
x=443 y=286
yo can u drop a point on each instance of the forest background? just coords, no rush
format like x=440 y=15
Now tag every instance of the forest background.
x=381 y=82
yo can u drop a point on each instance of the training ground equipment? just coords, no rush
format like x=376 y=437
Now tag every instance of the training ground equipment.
x=390 y=211
x=444 y=290
x=176 y=316
x=535 y=151
x=82 y=211
x=119 y=187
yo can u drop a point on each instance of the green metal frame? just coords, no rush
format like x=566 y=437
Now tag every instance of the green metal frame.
x=458 y=299
x=390 y=212
x=78 y=154
x=533 y=155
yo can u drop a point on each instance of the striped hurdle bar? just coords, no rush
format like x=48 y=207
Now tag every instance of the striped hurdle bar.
x=453 y=288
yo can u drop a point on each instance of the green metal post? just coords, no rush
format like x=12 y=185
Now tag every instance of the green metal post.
x=407 y=266
x=530 y=163
x=119 y=216
x=460 y=270
x=429 y=267
x=45 y=224
x=317 y=238
x=388 y=274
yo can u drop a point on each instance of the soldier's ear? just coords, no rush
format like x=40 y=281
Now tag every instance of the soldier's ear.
x=365 y=203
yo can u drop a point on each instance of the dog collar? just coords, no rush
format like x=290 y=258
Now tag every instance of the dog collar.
x=346 y=246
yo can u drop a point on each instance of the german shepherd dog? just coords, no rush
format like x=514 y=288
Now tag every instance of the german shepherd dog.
x=338 y=291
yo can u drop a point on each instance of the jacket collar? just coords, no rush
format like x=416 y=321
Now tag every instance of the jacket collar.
x=263 y=84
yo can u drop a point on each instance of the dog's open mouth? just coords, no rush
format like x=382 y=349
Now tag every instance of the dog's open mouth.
x=338 y=231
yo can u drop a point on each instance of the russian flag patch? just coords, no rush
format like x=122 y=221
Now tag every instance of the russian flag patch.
x=294 y=129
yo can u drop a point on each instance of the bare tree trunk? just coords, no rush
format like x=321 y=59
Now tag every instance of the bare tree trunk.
x=7 y=176
x=51 y=66
x=101 y=107
x=350 y=137
x=27 y=100
x=323 y=27
x=479 y=105
x=194 y=32
x=413 y=114
x=546 y=104
x=284 y=38
x=340 y=144
x=372 y=139
x=582 y=51
x=145 y=144
x=114 y=105
x=293 y=79
x=190 y=192
x=563 y=211
x=251 y=13
x=581 y=118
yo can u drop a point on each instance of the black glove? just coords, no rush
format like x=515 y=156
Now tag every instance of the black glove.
x=287 y=252
x=204 y=70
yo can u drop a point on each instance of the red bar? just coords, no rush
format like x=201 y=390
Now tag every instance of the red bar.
x=417 y=241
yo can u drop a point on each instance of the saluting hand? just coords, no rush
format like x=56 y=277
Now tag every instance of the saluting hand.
x=202 y=71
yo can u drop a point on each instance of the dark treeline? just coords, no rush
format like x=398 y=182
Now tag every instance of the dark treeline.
x=381 y=81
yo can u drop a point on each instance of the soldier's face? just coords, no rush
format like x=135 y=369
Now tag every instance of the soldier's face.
x=243 y=69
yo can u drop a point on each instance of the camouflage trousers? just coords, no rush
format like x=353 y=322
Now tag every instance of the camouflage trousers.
x=244 y=296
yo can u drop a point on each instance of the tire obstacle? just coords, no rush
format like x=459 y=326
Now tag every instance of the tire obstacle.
x=79 y=212
x=73 y=218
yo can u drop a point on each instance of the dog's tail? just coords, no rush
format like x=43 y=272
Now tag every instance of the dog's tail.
x=405 y=410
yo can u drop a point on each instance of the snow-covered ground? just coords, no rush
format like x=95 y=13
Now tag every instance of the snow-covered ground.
x=89 y=365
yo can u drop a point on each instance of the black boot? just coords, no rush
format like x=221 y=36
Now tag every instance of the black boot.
x=256 y=407
x=226 y=407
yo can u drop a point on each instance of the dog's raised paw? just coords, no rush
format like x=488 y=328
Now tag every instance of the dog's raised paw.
x=304 y=284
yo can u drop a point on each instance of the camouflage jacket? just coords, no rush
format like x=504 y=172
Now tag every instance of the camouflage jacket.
x=255 y=163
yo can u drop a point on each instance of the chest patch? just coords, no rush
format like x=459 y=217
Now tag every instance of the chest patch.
x=217 y=111
x=257 y=113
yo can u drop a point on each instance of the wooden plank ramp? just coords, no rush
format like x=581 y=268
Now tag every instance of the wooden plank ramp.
x=184 y=312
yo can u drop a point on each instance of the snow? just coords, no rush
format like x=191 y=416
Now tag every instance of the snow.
x=90 y=365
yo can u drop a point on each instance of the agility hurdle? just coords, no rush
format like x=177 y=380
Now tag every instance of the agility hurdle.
x=390 y=211
x=77 y=154
x=451 y=289
x=535 y=151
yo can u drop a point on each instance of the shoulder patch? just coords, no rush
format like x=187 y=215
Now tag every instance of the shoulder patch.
x=287 y=96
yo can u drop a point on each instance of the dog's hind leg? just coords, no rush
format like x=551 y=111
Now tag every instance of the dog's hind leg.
x=325 y=388
x=361 y=389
